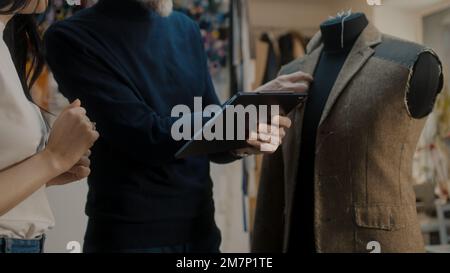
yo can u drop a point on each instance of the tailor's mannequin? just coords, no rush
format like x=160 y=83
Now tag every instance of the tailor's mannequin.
x=337 y=46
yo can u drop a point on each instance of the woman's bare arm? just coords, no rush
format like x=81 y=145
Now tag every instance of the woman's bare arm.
x=70 y=139
x=20 y=181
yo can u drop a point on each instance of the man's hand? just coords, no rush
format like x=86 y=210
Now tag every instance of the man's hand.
x=268 y=138
x=296 y=82
x=79 y=171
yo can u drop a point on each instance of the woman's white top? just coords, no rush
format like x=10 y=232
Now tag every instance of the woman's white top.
x=23 y=133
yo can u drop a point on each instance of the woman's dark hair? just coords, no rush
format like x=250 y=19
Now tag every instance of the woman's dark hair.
x=24 y=42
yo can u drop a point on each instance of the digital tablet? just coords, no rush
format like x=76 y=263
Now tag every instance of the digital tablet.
x=285 y=100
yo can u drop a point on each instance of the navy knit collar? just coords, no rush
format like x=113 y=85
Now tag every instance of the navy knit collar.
x=128 y=10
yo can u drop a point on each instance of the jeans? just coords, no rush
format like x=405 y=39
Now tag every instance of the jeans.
x=8 y=245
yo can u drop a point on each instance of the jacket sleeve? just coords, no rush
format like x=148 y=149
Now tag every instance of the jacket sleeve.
x=268 y=233
x=123 y=119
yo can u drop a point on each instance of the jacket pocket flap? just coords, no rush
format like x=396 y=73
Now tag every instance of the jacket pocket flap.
x=383 y=217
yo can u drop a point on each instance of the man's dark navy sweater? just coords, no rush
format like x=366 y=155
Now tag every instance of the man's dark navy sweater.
x=130 y=67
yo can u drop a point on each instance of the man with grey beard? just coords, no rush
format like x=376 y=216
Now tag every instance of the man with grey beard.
x=163 y=7
x=130 y=62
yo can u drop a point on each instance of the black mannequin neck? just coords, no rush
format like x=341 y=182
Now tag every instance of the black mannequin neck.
x=332 y=32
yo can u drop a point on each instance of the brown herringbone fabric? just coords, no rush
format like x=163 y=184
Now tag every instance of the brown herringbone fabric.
x=365 y=145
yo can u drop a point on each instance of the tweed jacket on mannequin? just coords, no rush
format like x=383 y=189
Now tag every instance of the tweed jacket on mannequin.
x=364 y=150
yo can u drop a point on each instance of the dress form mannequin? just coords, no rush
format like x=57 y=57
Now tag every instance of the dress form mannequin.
x=331 y=61
x=338 y=42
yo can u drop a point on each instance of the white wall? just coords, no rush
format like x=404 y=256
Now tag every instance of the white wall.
x=301 y=15
x=396 y=21
x=403 y=18
x=395 y=17
x=67 y=204
x=434 y=27
x=228 y=200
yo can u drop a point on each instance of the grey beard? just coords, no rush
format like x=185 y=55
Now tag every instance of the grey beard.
x=162 y=7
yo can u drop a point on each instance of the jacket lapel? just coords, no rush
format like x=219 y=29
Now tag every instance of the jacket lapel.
x=358 y=56
x=360 y=53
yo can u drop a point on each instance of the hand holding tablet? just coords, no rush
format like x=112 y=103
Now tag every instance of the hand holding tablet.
x=240 y=116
